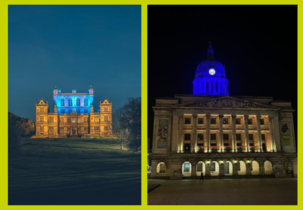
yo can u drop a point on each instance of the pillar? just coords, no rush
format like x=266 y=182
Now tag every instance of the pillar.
x=221 y=133
x=246 y=132
x=194 y=133
x=259 y=134
x=272 y=140
x=180 y=134
x=234 y=133
x=207 y=132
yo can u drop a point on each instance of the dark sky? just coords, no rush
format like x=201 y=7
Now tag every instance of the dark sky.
x=73 y=47
x=257 y=45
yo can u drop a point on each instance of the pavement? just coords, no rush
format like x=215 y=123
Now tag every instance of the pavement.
x=270 y=191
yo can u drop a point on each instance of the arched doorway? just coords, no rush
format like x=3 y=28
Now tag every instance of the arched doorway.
x=200 y=168
x=255 y=170
x=186 y=169
x=267 y=167
x=214 y=168
x=161 y=168
x=242 y=168
x=228 y=168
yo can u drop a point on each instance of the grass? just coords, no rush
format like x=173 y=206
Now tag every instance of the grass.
x=74 y=172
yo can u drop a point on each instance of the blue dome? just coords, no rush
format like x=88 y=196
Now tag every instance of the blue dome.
x=204 y=67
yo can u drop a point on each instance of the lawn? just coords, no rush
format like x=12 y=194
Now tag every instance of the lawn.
x=74 y=172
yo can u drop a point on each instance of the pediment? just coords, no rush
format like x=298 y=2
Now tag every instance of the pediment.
x=42 y=102
x=227 y=102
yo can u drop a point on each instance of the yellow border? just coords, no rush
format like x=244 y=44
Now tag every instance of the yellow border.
x=4 y=106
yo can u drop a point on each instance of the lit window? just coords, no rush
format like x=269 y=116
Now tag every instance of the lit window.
x=70 y=102
x=85 y=102
x=78 y=101
x=62 y=102
x=186 y=167
x=73 y=120
x=79 y=120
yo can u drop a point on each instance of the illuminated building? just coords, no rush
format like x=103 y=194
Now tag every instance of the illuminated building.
x=219 y=135
x=73 y=116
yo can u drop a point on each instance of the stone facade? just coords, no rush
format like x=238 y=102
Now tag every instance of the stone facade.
x=73 y=116
x=218 y=135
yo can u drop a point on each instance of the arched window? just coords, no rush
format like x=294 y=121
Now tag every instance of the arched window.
x=255 y=168
x=242 y=168
x=186 y=169
x=78 y=101
x=267 y=167
x=62 y=102
x=85 y=102
x=70 y=102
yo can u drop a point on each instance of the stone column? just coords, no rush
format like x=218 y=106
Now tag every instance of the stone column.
x=246 y=132
x=194 y=143
x=261 y=167
x=207 y=169
x=248 y=168
x=155 y=132
x=221 y=133
x=234 y=144
x=174 y=139
x=180 y=147
x=221 y=169
x=194 y=169
x=272 y=139
x=259 y=134
x=207 y=133
x=235 y=168
x=277 y=133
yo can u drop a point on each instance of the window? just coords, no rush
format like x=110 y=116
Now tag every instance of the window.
x=238 y=137
x=105 y=128
x=62 y=102
x=85 y=102
x=213 y=144
x=186 y=167
x=199 y=167
x=261 y=121
x=85 y=119
x=73 y=120
x=85 y=128
x=200 y=136
x=200 y=121
x=105 y=109
x=162 y=167
x=62 y=111
x=226 y=144
x=105 y=118
x=51 y=119
x=250 y=136
x=213 y=136
x=239 y=144
x=97 y=128
x=42 y=129
x=187 y=148
x=41 y=119
x=187 y=120
x=96 y=119
x=186 y=136
x=79 y=120
x=251 y=144
x=225 y=136
x=70 y=102
x=238 y=121
x=68 y=119
x=225 y=120
x=68 y=129
x=249 y=121
x=213 y=121
x=213 y=166
x=41 y=109
x=263 y=137
x=78 y=101
x=51 y=129
x=62 y=130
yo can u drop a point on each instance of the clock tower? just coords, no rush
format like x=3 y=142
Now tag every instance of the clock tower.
x=210 y=77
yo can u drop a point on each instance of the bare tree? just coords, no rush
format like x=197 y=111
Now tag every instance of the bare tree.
x=118 y=129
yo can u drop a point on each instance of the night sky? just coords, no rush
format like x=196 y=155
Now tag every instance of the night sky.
x=257 y=45
x=73 y=47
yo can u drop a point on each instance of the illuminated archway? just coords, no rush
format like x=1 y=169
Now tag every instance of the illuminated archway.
x=267 y=167
x=255 y=168
x=242 y=168
x=161 y=168
x=200 y=168
x=214 y=168
x=186 y=169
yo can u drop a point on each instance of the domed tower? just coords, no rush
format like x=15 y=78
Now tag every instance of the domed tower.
x=210 y=77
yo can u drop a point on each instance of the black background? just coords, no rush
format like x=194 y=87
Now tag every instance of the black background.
x=257 y=44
